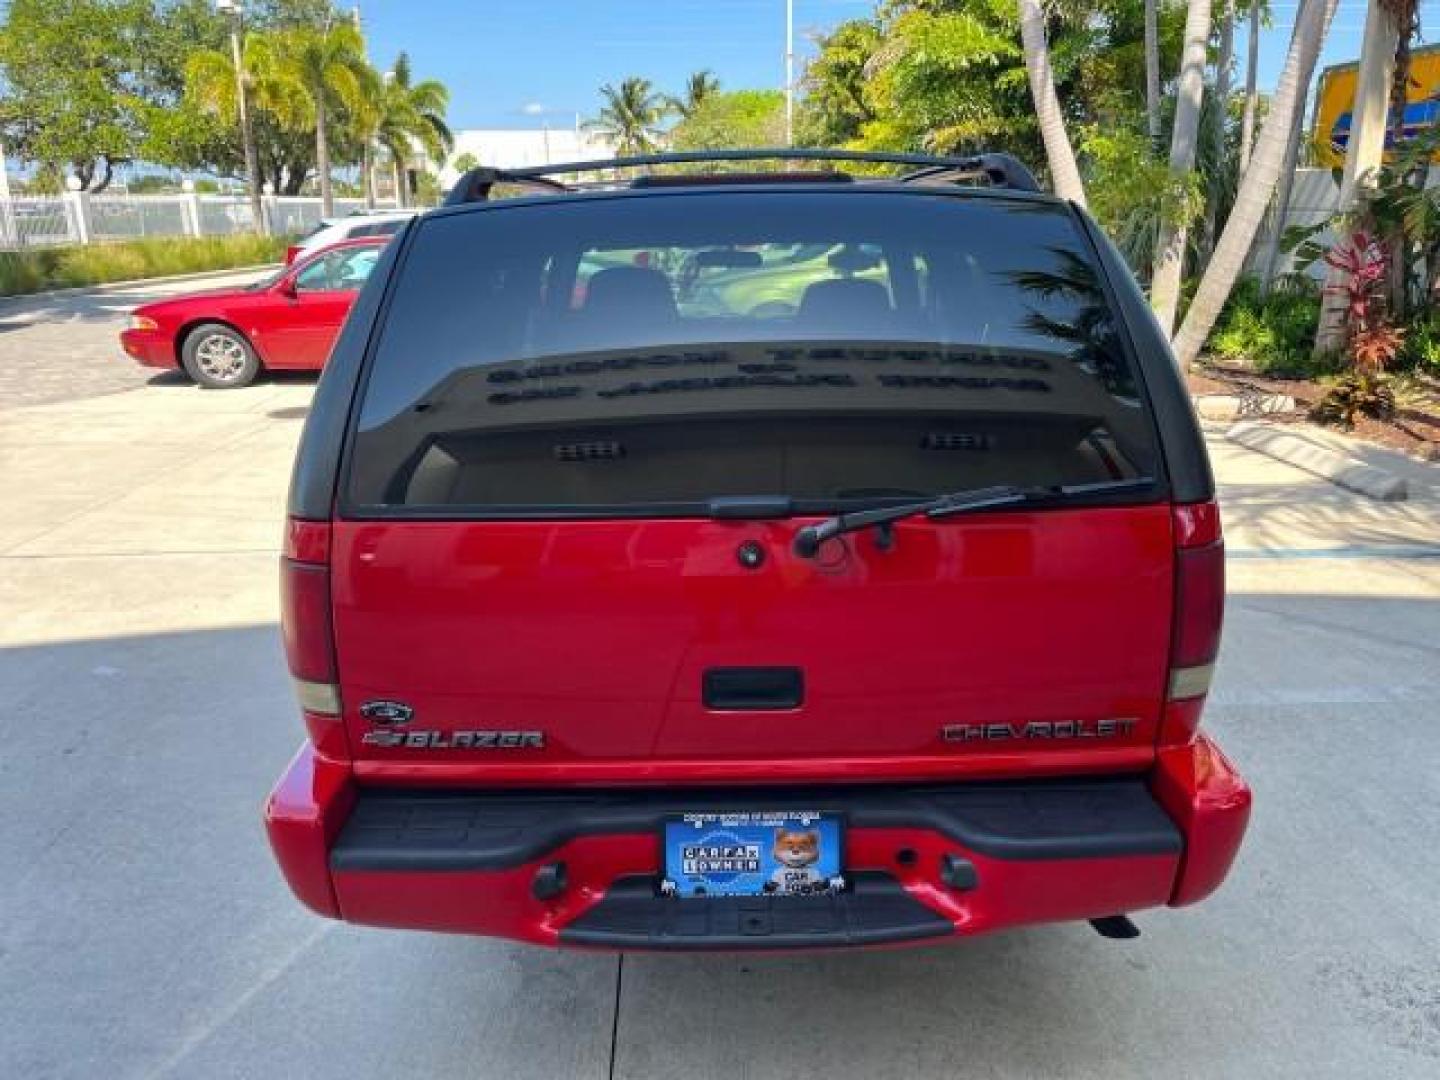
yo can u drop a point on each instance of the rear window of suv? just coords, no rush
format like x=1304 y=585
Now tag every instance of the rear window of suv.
x=628 y=355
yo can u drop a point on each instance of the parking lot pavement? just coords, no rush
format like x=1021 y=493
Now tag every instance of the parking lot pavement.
x=144 y=931
x=65 y=346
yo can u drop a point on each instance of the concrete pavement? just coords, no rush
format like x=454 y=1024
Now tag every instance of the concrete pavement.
x=144 y=931
x=64 y=346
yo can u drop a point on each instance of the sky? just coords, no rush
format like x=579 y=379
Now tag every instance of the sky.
x=524 y=63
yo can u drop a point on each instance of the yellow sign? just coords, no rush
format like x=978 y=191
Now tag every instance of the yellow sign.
x=1336 y=96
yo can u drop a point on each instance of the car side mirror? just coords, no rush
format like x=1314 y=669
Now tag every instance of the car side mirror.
x=287 y=288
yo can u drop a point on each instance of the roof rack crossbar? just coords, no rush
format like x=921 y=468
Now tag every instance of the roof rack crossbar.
x=475 y=185
x=1001 y=170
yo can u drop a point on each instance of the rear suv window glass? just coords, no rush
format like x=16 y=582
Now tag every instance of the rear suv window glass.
x=644 y=354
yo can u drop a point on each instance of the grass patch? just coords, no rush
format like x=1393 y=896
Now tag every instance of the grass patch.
x=95 y=264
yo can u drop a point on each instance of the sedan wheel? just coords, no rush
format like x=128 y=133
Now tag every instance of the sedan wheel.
x=218 y=357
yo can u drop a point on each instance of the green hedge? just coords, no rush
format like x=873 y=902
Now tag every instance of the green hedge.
x=94 y=264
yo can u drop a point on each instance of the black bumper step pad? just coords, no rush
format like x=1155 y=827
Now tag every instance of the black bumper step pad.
x=874 y=910
x=409 y=831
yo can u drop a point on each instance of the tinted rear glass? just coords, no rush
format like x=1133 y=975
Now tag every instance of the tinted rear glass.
x=647 y=354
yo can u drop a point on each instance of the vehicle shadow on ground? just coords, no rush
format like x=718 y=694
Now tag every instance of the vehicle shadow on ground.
x=1021 y=1003
x=177 y=377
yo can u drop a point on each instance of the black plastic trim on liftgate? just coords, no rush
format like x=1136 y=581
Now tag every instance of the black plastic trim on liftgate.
x=999 y=170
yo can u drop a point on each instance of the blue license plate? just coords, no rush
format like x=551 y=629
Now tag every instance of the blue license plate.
x=752 y=854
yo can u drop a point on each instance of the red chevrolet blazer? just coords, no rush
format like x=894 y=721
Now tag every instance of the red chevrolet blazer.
x=752 y=560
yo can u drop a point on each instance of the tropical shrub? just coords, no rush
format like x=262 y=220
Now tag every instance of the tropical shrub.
x=1272 y=334
x=1422 y=346
x=1359 y=393
x=1131 y=190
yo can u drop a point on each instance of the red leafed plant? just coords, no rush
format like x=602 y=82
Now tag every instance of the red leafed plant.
x=1363 y=262
x=1373 y=348
x=1371 y=341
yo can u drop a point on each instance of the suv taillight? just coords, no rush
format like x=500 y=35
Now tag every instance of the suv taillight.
x=1199 y=612
x=306 y=625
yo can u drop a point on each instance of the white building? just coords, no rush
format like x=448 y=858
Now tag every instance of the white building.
x=511 y=148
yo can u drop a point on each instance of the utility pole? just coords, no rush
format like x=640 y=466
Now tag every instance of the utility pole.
x=234 y=9
x=789 y=72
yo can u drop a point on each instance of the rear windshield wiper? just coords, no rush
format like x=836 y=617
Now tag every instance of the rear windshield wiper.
x=809 y=539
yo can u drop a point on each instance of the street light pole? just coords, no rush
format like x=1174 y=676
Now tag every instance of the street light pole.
x=789 y=72
x=234 y=9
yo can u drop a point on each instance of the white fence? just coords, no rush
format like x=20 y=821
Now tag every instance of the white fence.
x=82 y=218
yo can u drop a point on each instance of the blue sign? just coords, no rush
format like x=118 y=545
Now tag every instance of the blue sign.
x=752 y=854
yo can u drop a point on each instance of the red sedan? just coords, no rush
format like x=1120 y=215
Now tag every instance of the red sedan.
x=286 y=322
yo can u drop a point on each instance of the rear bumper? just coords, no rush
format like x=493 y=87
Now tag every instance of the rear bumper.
x=1034 y=852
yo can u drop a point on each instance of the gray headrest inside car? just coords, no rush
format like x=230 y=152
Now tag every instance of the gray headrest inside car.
x=844 y=303
x=630 y=292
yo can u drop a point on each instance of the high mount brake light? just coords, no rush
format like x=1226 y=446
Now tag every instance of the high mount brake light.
x=308 y=632
x=1198 y=614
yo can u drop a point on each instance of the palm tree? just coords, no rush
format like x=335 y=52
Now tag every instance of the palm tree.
x=366 y=116
x=1311 y=25
x=1189 y=96
x=1064 y=173
x=1224 y=63
x=630 y=117
x=1286 y=185
x=211 y=82
x=413 y=113
x=1406 y=15
x=1252 y=63
x=1152 y=69
x=698 y=87
x=1216 y=116
x=1364 y=155
x=327 y=67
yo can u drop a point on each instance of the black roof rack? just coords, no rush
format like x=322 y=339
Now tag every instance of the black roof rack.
x=1000 y=170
